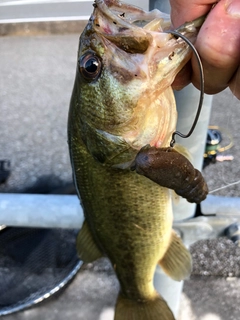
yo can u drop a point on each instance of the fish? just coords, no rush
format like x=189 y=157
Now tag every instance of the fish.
x=122 y=101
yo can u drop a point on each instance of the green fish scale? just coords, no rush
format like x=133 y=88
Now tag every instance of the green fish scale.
x=128 y=217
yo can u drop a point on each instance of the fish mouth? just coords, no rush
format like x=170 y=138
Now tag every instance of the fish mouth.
x=137 y=37
x=127 y=26
x=132 y=28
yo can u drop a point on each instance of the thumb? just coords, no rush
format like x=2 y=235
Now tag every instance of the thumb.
x=218 y=44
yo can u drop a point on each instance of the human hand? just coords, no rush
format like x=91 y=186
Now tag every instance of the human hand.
x=218 y=43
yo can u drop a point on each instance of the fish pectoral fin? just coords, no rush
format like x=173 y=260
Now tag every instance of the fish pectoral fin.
x=86 y=246
x=151 y=309
x=177 y=261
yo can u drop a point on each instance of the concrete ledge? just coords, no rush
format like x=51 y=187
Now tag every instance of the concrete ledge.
x=27 y=28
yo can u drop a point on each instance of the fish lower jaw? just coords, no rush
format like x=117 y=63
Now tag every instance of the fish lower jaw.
x=154 y=139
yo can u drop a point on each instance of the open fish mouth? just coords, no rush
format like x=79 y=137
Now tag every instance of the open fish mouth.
x=131 y=30
x=127 y=26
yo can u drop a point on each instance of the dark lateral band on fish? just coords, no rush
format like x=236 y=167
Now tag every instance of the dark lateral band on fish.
x=172 y=170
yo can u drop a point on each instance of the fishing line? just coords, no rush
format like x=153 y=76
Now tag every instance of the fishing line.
x=179 y=35
x=224 y=187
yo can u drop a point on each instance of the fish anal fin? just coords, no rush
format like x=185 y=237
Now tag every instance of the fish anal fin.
x=86 y=246
x=152 y=309
x=177 y=261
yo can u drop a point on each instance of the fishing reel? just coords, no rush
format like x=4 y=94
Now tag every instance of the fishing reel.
x=213 y=147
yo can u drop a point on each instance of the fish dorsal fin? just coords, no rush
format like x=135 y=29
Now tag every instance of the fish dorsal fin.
x=86 y=246
x=177 y=261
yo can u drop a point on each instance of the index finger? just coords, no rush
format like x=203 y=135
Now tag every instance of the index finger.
x=218 y=44
x=218 y=41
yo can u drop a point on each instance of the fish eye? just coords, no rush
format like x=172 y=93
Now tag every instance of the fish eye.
x=90 y=66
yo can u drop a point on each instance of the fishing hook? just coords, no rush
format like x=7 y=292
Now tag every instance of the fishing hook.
x=179 y=35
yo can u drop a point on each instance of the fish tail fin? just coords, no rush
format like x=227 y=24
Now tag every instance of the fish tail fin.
x=152 y=309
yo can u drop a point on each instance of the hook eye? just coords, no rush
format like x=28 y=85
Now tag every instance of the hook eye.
x=179 y=35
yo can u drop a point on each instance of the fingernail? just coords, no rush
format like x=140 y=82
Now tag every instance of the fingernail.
x=233 y=8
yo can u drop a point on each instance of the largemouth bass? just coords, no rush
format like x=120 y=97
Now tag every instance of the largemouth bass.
x=122 y=100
